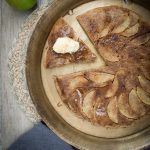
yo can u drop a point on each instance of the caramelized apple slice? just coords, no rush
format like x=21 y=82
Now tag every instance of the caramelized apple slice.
x=131 y=31
x=144 y=96
x=87 y=107
x=141 y=39
x=136 y=103
x=104 y=32
x=134 y=18
x=146 y=71
x=145 y=84
x=112 y=109
x=113 y=88
x=124 y=25
x=124 y=106
x=99 y=78
x=117 y=17
x=109 y=55
x=78 y=81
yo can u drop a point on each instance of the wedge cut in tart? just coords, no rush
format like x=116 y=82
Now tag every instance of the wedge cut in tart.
x=64 y=47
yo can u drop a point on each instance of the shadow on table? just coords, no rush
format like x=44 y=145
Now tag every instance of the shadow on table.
x=40 y=138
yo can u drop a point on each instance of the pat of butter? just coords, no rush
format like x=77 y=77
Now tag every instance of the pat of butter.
x=65 y=45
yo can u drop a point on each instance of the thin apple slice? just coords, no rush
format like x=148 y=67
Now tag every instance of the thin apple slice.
x=113 y=88
x=124 y=107
x=99 y=78
x=108 y=54
x=78 y=81
x=87 y=107
x=112 y=109
x=143 y=95
x=136 y=103
x=124 y=25
x=131 y=31
x=141 y=39
x=146 y=71
x=134 y=18
x=145 y=84
x=104 y=32
x=116 y=17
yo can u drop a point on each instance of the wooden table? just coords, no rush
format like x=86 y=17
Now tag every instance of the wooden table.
x=14 y=122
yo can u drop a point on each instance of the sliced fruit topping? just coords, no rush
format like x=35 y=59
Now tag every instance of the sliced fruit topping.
x=112 y=109
x=131 y=81
x=117 y=17
x=99 y=78
x=104 y=32
x=131 y=31
x=124 y=106
x=136 y=103
x=145 y=84
x=143 y=95
x=87 y=107
x=113 y=88
x=141 y=39
x=124 y=25
x=134 y=18
x=78 y=81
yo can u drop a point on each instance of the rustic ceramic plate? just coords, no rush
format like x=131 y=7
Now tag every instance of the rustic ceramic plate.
x=42 y=97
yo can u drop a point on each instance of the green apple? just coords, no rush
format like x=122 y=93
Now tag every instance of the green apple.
x=22 y=4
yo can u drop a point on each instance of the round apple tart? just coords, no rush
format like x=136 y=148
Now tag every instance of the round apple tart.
x=118 y=93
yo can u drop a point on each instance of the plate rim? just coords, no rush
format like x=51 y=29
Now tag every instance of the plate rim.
x=30 y=84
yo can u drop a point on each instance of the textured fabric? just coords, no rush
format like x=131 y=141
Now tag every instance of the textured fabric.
x=40 y=138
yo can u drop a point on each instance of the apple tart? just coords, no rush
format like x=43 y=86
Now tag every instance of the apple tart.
x=119 y=93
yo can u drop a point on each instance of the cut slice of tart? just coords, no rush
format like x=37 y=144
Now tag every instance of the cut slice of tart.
x=99 y=22
x=64 y=47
